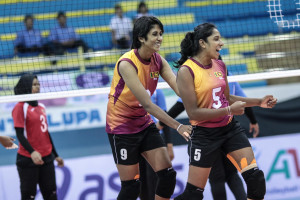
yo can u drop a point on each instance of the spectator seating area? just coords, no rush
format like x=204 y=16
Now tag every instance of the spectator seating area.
x=91 y=18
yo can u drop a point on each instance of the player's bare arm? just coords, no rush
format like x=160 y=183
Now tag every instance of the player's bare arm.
x=168 y=75
x=186 y=88
x=132 y=81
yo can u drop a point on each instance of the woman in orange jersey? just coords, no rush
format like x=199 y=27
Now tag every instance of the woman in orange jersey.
x=202 y=83
x=130 y=128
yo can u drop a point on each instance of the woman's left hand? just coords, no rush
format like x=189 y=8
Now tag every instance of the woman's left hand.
x=60 y=161
x=268 y=102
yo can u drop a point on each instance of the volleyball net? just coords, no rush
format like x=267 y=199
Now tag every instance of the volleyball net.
x=72 y=46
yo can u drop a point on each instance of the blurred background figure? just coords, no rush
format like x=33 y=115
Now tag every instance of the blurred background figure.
x=142 y=10
x=121 y=29
x=30 y=40
x=63 y=37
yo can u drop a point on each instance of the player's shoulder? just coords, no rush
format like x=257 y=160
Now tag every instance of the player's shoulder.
x=19 y=105
x=42 y=105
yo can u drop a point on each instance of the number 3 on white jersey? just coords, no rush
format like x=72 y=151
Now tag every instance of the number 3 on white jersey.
x=217 y=103
x=44 y=125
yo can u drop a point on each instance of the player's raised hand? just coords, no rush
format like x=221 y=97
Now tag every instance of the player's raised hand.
x=268 y=102
x=185 y=131
x=238 y=108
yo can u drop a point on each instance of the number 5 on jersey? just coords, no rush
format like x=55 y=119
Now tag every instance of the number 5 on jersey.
x=217 y=103
x=197 y=154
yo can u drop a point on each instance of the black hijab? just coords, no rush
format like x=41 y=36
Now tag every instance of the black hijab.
x=24 y=86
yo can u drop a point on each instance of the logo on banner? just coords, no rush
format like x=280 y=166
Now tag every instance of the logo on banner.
x=283 y=162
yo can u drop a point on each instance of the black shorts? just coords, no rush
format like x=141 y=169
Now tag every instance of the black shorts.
x=127 y=148
x=206 y=142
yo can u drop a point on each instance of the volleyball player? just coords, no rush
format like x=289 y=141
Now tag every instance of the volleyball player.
x=130 y=129
x=202 y=83
x=36 y=150
x=148 y=177
x=223 y=171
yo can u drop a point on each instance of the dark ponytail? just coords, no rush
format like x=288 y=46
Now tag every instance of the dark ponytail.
x=190 y=44
x=187 y=48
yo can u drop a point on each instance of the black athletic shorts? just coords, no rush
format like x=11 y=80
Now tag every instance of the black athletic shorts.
x=206 y=142
x=127 y=148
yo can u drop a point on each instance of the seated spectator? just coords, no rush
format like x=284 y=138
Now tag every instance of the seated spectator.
x=121 y=28
x=63 y=37
x=29 y=40
x=142 y=10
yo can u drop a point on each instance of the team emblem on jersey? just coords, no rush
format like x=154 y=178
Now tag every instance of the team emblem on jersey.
x=154 y=75
x=218 y=74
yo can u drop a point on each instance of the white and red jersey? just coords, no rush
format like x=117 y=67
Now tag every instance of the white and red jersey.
x=34 y=121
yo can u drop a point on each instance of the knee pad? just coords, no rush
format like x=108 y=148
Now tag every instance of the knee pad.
x=27 y=197
x=256 y=183
x=191 y=192
x=130 y=190
x=166 y=182
x=49 y=195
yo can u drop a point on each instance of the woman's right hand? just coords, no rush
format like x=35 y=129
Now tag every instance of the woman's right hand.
x=37 y=158
x=238 y=108
x=185 y=131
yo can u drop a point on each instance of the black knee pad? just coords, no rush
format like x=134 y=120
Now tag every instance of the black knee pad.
x=130 y=190
x=50 y=195
x=191 y=192
x=166 y=182
x=256 y=183
x=27 y=196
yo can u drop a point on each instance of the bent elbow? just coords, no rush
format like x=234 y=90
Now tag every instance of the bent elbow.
x=147 y=107
x=191 y=115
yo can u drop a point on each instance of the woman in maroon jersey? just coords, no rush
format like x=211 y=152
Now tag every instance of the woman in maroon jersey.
x=36 y=150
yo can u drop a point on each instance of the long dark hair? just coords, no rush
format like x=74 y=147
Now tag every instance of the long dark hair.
x=190 y=44
x=141 y=28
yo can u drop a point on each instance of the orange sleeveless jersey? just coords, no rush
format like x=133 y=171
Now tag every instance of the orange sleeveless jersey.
x=210 y=84
x=125 y=115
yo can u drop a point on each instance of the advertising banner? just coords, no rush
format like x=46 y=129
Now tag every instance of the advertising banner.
x=68 y=118
x=96 y=177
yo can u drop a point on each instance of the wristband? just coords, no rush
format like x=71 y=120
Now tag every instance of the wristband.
x=179 y=127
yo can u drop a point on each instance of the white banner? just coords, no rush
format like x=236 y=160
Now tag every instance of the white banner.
x=96 y=177
x=63 y=119
x=78 y=113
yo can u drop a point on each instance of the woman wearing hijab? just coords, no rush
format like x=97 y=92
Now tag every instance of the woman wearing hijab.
x=36 y=150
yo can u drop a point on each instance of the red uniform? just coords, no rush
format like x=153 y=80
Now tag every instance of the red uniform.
x=34 y=122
